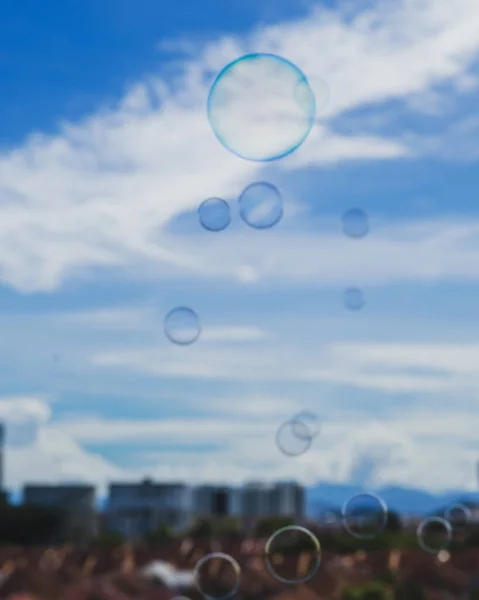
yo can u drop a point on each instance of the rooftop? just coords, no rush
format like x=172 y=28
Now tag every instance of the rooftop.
x=145 y=573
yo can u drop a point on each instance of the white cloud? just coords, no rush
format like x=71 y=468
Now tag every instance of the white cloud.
x=432 y=250
x=97 y=193
x=140 y=319
x=232 y=447
x=111 y=318
x=100 y=193
x=56 y=457
x=245 y=448
x=23 y=417
x=459 y=359
x=392 y=367
x=234 y=334
x=36 y=453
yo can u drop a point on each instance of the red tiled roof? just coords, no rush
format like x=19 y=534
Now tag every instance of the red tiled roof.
x=104 y=574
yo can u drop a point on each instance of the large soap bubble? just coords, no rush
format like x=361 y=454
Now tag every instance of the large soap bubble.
x=261 y=107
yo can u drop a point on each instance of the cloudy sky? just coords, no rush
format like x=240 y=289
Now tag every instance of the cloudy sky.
x=106 y=154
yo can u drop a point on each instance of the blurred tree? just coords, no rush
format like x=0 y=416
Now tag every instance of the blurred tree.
x=393 y=523
x=472 y=536
x=370 y=591
x=221 y=526
x=108 y=539
x=388 y=577
x=409 y=591
x=268 y=525
x=30 y=525
x=161 y=535
x=202 y=528
x=227 y=526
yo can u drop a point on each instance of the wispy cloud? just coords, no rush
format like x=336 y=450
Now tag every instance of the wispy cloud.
x=97 y=193
x=411 y=445
x=103 y=194
x=388 y=367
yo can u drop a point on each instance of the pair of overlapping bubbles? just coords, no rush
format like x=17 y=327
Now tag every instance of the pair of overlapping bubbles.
x=435 y=533
x=365 y=516
x=260 y=207
x=294 y=437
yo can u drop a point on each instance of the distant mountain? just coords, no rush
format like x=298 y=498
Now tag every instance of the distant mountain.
x=406 y=501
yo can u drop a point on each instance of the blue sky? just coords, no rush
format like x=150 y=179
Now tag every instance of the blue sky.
x=107 y=153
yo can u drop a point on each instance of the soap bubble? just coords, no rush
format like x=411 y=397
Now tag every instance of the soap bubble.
x=293 y=554
x=459 y=516
x=182 y=326
x=261 y=107
x=434 y=534
x=306 y=424
x=293 y=438
x=217 y=576
x=214 y=214
x=365 y=515
x=355 y=223
x=354 y=299
x=261 y=205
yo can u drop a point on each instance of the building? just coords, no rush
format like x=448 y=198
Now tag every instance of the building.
x=77 y=503
x=287 y=499
x=259 y=500
x=279 y=499
x=2 y=457
x=214 y=501
x=136 y=508
x=255 y=500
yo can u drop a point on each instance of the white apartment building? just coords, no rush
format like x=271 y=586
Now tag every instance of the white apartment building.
x=135 y=508
x=288 y=499
x=214 y=501
x=255 y=500
x=259 y=500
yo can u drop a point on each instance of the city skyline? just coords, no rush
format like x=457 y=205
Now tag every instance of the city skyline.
x=107 y=154
x=134 y=509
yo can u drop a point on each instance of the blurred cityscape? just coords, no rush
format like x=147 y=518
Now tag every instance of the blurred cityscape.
x=162 y=540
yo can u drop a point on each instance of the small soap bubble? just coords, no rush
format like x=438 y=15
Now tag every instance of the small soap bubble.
x=459 y=517
x=354 y=298
x=261 y=107
x=434 y=534
x=292 y=554
x=182 y=326
x=355 y=223
x=214 y=214
x=261 y=205
x=365 y=515
x=217 y=576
